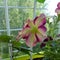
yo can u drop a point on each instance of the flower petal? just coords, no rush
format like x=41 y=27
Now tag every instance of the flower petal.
x=26 y=25
x=41 y=20
x=41 y=35
x=42 y=45
x=31 y=40
x=39 y=38
x=48 y=38
x=30 y=23
x=23 y=33
x=43 y=28
x=57 y=10
x=42 y=32
x=35 y=19
x=19 y=35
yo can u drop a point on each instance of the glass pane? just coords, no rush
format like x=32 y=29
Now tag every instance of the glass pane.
x=14 y=33
x=39 y=11
x=1 y=2
x=27 y=3
x=4 y=33
x=39 y=5
x=4 y=51
x=2 y=19
x=18 y=16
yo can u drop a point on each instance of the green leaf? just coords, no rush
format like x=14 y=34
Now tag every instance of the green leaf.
x=16 y=43
x=5 y=38
x=25 y=50
x=41 y=1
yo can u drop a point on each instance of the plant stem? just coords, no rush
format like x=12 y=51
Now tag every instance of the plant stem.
x=31 y=54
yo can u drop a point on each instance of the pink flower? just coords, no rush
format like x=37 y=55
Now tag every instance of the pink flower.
x=34 y=31
x=57 y=10
x=58 y=5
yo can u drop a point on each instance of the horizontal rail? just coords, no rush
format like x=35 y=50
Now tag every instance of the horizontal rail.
x=10 y=30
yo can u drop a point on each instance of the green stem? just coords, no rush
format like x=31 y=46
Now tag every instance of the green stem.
x=31 y=54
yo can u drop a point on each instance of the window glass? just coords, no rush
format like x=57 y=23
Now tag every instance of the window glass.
x=2 y=19
x=1 y=2
x=18 y=16
x=22 y=3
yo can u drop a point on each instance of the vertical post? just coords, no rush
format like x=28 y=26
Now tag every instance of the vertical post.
x=8 y=27
x=59 y=27
x=34 y=9
x=1 y=50
x=7 y=17
x=10 y=50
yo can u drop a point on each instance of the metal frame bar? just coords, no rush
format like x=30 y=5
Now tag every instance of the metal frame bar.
x=11 y=30
x=34 y=9
x=22 y=7
x=7 y=17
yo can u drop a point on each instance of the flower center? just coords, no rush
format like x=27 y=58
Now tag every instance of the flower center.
x=34 y=29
